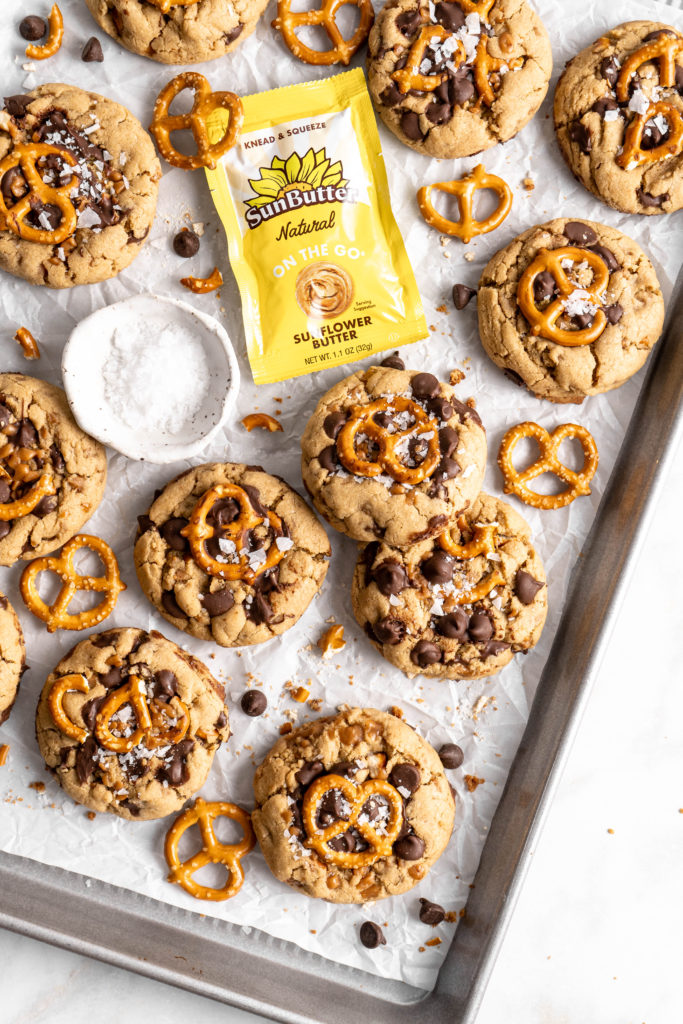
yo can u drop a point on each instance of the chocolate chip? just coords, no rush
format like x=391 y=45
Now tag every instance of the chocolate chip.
x=234 y=33
x=27 y=436
x=493 y=647
x=678 y=78
x=450 y=15
x=389 y=631
x=462 y=294
x=391 y=96
x=86 y=758
x=92 y=51
x=648 y=200
x=221 y=721
x=5 y=492
x=346 y=768
x=390 y=578
x=579 y=233
x=425 y=653
x=580 y=134
x=447 y=469
x=405 y=776
x=451 y=755
x=545 y=286
x=526 y=587
x=449 y=440
x=652 y=136
x=344 y=843
x=305 y=776
x=425 y=385
x=113 y=678
x=5 y=527
x=394 y=362
x=438 y=113
x=260 y=610
x=330 y=808
x=431 y=913
x=607 y=256
x=466 y=412
x=410 y=125
x=333 y=423
x=46 y=505
x=440 y=407
x=166 y=683
x=253 y=703
x=609 y=69
x=582 y=320
x=657 y=33
x=57 y=459
x=371 y=935
x=171 y=606
x=32 y=28
x=218 y=602
x=176 y=772
x=329 y=458
x=438 y=568
x=480 y=627
x=613 y=313
x=409 y=848
x=89 y=712
x=409 y=22
x=16 y=106
x=144 y=524
x=186 y=244
x=603 y=104
x=462 y=90
x=454 y=625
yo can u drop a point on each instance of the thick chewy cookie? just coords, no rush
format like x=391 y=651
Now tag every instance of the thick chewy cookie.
x=392 y=454
x=301 y=816
x=167 y=762
x=188 y=32
x=630 y=308
x=254 y=590
x=115 y=195
x=449 y=82
x=12 y=657
x=618 y=108
x=450 y=613
x=39 y=438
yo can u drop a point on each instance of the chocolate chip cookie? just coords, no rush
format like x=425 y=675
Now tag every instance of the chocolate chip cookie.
x=352 y=808
x=129 y=723
x=52 y=474
x=570 y=309
x=78 y=180
x=619 y=117
x=12 y=657
x=392 y=453
x=229 y=553
x=178 y=31
x=458 y=606
x=450 y=81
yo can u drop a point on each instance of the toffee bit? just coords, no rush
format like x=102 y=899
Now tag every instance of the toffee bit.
x=301 y=694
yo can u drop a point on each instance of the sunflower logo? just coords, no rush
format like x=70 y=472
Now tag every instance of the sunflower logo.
x=304 y=174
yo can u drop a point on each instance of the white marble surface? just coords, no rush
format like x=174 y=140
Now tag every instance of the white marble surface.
x=605 y=950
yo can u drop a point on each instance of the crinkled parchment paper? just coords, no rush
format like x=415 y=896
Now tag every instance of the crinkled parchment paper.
x=487 y=717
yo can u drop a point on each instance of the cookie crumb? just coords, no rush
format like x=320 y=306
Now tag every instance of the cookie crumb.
x=456 y=377
x=285 y=728
x=38 y=786
x=471 y=781
x=91 y=815
x=528 y=184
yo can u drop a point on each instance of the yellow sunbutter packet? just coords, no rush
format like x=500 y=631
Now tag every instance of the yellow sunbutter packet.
x=321 y=266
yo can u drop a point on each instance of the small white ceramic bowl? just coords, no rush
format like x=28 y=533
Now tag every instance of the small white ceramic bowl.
x=148 y=325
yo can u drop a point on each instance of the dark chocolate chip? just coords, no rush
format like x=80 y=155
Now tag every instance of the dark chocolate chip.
x=579 y=233
x=305 y=776
x=254 y=703
x=344 y=843
x=652 y=136
x=493 y=647
x=609 y=69
x=431 y=913
x=144 y=524
x=92 y=51
x=221 y=721
x=440 y=407
x=330 y=808
x=454 y=625
x=389 y=631
x=607 y=256
x=234 y=33
x=391 y=96
x=371 y=935
x=27 y=436
x=410 y=125
x=462 y=294
x=329 y=458
x=5 y=492
x=333 y=423
x=346 y=768
x=390 y=578
x=405 y=776
x=425 y=385
x=438 y=113
x=462 y=90
x=451 y=755
x=394 y=362
x=447 y=469
x=46 y=505
x=223 y=512
x=613 y=313
x=648 y=200
x=603 y=104
x=409 y=848
x=113 y=678
x=581 y=134
x=582 y=320
x=89 y=712
x=186 y=244
x=678 y=78
x=171 y=606
x=545 y=286
x=260 y=610
x=32 y=28
x=425 y=653
x=438 y=568
x=17 y=105
x=657 y=33
x=450 y=15
x=448 y=440
x=480 y=628
x=218 y=602
x=166 y=683
x=86 y=758
x=526 y=587
x=409 y=22
x=466 y=411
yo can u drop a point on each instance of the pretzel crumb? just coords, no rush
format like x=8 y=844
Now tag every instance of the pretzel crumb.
x=285 y=728
x=4 y=751
x=29 y=345
x=315 y=703
x=396 y=711
x=38 y=786
x=471 y=781
x=332 y=640
x=528 y=184
x=262 y=420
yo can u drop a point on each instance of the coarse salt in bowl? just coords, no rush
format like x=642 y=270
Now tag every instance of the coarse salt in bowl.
x=150 y=376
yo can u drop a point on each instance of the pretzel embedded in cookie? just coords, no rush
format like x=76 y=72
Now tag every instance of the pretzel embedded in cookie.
x=325 y=17
x=74 y=682
x=55 y=37
x=483 y=542
x=664 y=50
x=212 y=851
x=39 y=194
x=166 y=5
x=233 y=534
x=56 y=615
x=485 y=65
x=362 y=426
x=133 y=694
x=578 y=483
x=380 y=843
x=409 y=76
x=20 y=466
x=545 y=322
x=482 y=589
x=170 y=722
x=205 y=103
x=464 y=190
x=633 y=154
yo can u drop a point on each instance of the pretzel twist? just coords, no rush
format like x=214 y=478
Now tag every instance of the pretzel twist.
x=482 y=543
x=56 y=615
x=577 y=483
x=484 y=66
x=410 y=77
x=15 y=467
x=198 y=532
x=166 y=5
x=133 y=693
x=480 y=7
x=325 y=17
x=13 y=218
x=361 y=421
x=633 y=155
x=464 y=190
x=204 y=104
x=74 y=682
x=357 y=796
x=545 y=322
x=664 y=49
x=482 y=589
x=212 y=851
x=55 y=37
